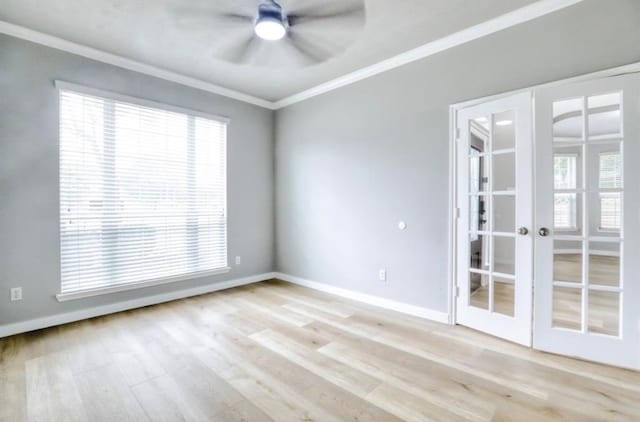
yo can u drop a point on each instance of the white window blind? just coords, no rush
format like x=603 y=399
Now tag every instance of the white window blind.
x=142 y=193
x=610 y=211
x=610 y=178
x=565 y=203
x=610 y=170
x=564 y=211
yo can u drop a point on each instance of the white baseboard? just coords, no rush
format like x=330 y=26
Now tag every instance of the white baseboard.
x=404 y=308
x=44 y=322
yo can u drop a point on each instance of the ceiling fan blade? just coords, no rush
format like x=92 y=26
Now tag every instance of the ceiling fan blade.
x=241 y=51
x=237 y=17
x=212 y=20
x=312 y=51
x=205 y=16
x=355 y=14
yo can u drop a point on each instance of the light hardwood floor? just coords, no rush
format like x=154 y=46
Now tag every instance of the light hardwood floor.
x=274 y=351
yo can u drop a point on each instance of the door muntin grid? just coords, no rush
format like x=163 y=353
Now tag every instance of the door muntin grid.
x=492 y=212
x=588 y=196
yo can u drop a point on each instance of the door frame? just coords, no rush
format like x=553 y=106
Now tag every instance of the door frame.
x=453 y=168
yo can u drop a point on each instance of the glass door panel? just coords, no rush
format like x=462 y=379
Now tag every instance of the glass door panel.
x=494 y=153
x=567 y=307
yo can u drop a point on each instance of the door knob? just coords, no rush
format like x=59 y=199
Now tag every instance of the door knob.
x=544 y=232
x=523 y=231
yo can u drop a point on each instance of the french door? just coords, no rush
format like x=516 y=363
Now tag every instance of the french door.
x=494 y=243
x=587 y=247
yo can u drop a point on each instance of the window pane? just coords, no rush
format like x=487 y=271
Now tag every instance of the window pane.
x=604 y=116
x=478 y=172
x=565 y=211
x=504 y=172
x=504 y=213
x=503 y=296
x=610 y=175
x=567 y=120
x=567 y=261
x=504 y=256
x=567 y=308
x=604 y=263
x=477 y=214
x=479 y=290
x=565 y=171
x=478 y=252
x=504 y=130
x=610 y=211
x=604 y=312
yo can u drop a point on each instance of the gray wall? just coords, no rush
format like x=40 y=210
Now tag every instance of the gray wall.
x=352 y=162
x=29 y=244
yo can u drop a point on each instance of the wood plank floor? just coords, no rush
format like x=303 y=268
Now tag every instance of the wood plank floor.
x=275 y=351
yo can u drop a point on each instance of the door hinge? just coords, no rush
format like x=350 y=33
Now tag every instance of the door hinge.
x=457 y=212
x=457 y=292
x=457 y=134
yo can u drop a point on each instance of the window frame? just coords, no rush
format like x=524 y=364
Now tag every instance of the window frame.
x=67 y=86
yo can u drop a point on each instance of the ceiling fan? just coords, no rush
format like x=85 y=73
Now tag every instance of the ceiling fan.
x=301 y=33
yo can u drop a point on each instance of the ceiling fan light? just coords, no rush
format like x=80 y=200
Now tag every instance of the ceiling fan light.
x=270 y=29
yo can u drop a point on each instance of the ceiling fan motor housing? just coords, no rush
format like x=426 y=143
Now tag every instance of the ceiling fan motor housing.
x=270 y=10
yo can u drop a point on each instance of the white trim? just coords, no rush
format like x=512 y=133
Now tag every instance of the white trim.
x=454 y=214
x=44 y=322
x=80 y=294
x=605 y=73
x=82 y=89
x=508 y=20
x=404 y=308
x=125 y=63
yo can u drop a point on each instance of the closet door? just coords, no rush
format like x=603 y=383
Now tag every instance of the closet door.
x=587 y=248
x=494 y=242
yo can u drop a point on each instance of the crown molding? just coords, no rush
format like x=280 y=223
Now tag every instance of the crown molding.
x=508 y=20
x=125 y=63
x=513 y=18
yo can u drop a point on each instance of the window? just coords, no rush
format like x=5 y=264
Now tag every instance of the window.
x=565 y=179
x=142 y=192
x=610 y=177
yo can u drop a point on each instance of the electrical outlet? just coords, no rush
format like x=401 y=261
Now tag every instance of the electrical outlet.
x=382 y=274
x=238 y=260
x=16 y=294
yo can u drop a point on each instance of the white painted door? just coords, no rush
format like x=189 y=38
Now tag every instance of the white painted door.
x=494 y=197
x=587 y=252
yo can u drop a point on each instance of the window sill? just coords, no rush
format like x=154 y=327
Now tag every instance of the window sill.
x=63 y=297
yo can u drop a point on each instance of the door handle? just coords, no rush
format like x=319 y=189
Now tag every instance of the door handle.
x=523 y=231
x=544 y=232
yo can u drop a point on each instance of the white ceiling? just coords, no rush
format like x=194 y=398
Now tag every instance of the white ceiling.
x=155 y=32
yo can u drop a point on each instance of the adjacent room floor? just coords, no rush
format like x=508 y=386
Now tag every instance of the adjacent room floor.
x=275 y=351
